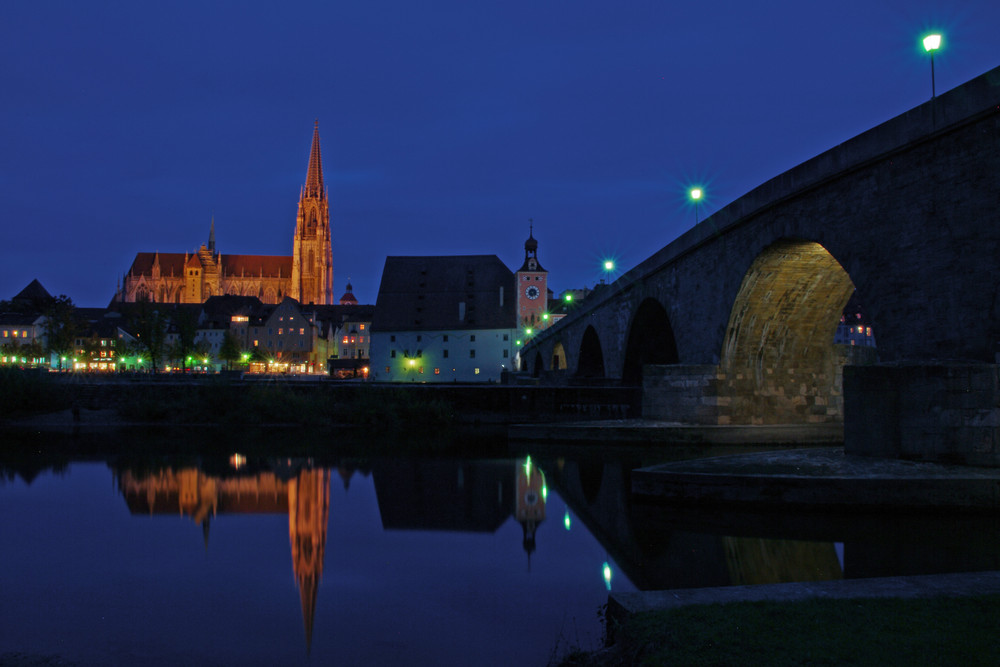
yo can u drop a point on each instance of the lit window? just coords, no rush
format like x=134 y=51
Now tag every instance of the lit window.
x=362 y=327
x=437 y=371
x=255 y=343
x=476 y=371
x=386 y=369
x=868 y=331
x=345 y=340
x=15 y=333
x=421 y=370
x=302 y=331
x=280 y=331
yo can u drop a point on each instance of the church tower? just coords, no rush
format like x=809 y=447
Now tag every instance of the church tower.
x=532 y=287
x=312 y=253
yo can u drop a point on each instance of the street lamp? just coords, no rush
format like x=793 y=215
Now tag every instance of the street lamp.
x=932 y=43
x=696 y=194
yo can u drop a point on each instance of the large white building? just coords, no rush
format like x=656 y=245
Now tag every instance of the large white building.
x=444 y=319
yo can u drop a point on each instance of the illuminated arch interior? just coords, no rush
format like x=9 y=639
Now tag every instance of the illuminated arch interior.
x=778 y=358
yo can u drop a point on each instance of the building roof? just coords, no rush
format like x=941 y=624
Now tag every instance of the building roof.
x=445 y=293
x=34 y=293
x=172 y=263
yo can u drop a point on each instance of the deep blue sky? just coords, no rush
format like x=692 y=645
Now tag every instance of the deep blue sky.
x=445 y=126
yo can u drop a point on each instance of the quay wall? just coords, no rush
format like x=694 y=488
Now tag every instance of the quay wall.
x=486 y=403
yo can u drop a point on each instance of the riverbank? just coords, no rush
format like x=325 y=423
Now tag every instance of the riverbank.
x=938 y=619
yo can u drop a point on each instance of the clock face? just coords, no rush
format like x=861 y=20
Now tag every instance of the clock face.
x=531 y=292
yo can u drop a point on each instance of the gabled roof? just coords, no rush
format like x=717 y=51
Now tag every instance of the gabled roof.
x=445 y=293
x=34 y=292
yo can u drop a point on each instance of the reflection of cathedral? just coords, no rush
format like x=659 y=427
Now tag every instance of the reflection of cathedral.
x=307 y=275
x=305 y=497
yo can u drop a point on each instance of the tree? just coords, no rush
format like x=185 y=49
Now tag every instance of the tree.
x=60 y=327
x=186 y=323
x=230 y=350
x=151 y=331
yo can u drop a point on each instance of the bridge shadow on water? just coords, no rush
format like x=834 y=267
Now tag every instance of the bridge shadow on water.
x=663 y=547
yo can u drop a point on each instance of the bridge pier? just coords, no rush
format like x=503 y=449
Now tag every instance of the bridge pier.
x=947 y=412
x=800 y=393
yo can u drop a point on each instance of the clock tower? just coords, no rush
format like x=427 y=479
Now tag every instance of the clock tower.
x=532 y=287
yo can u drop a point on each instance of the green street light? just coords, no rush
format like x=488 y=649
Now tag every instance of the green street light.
x=567 y=297
x=609 y=265
x=932 y=43
x=696 y=194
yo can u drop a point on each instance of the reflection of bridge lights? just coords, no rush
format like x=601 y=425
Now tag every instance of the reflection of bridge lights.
x=545 y=492
x=607 y=575
x=237 y=461
x=566 y=521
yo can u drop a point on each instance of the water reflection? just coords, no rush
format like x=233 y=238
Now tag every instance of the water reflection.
x=301 y=492
x=427 y=560
x=458 y=496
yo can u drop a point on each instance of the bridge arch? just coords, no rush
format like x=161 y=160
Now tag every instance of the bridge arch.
x=779 y=363
x=558 y=357
x=650 y=341
x=591 y=357
x=539 y=366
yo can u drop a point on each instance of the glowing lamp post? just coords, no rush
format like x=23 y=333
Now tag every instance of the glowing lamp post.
x=696 y=194
x=932 y=43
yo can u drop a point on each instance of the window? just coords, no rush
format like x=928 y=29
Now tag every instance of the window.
x=445 y=353
x=505 y=336
x=505 y=354
x=302 y=331
x=472 y=354
x=419 y=338
x=280 y=331
x=362 y=327
x=421 y=370
x=476 y=371
x=392 y=339
x=392 y=354
x=386 y=369
x=420 y=353
x=345 y=340
x=472 y=338
x=437 y=371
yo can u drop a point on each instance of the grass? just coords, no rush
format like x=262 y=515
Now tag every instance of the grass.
x=937 y=631
x=28 y=392
x=280 y=404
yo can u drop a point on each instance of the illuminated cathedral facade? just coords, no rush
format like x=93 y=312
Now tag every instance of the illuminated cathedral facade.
x=306 y=275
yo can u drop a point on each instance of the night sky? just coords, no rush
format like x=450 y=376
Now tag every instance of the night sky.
x=445 y=125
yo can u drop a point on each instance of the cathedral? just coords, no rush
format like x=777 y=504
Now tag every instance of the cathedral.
x=307 y=275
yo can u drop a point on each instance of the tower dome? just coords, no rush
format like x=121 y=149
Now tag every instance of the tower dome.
x=348 y=299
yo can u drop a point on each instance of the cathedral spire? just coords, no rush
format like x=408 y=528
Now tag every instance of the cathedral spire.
x=211 y=235
x=314 y=175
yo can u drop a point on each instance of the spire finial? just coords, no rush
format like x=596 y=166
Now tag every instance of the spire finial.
x=314 y=174
x=211 y=234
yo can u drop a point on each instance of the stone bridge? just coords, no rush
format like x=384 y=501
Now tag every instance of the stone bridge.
x=733 y=322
